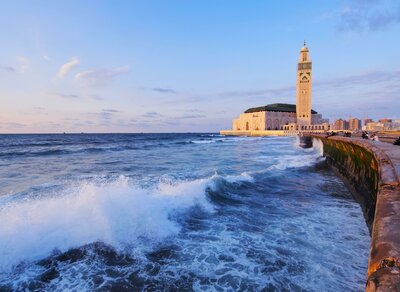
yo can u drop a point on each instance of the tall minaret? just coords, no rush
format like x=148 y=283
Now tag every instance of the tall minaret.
x=303 y=88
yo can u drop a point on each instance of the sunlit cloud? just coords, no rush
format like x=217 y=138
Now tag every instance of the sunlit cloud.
x=67 y=67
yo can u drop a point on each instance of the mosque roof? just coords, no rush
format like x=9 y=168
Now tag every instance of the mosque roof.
x=276 y=107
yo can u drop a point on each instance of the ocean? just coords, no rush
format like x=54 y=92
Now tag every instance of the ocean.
x=101 y=212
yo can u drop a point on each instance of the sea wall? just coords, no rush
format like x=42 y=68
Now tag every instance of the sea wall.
x=371 y=175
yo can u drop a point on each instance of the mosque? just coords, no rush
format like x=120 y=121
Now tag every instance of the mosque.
x=286 y=117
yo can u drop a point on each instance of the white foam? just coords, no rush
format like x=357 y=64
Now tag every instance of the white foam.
x=291 y=161
x=318 y=146
x=203 y=141
x=115 y=213
x=243 y=177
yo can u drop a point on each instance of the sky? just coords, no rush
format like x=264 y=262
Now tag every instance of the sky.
x=190 y=65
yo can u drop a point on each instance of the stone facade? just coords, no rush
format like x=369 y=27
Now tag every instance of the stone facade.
x=303 y=88
x=270 y=120
x=263 y=120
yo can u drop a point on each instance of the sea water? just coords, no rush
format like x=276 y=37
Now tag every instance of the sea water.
x=175 y=212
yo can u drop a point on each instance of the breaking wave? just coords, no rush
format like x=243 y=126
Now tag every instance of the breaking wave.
x=117 y=213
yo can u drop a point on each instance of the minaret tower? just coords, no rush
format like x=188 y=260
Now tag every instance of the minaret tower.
x=303 y=88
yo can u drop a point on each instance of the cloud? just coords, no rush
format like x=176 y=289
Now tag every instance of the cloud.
x=107 y=114
x=111 y=110
x=24 y=64
x=195 y=110
x=372 y=15
x=273 y=92
x=67 y=96
x=152 y=115
x=94 y=97
x=367 y=78
x=46 y=58
x=99 y=77
x=67 y=67
x=7 y=68
x=190 y=117
x=164 y=90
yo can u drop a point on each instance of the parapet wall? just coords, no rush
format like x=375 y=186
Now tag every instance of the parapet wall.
x=372 y=175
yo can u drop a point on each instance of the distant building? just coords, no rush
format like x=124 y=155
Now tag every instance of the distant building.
x=354 y=124
x=282 y=116
x=366 y=121
x=383 y=125
x=341 y=124
x=375 y=126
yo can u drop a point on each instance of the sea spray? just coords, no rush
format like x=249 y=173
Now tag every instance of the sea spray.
x=318 y=146
x=115 y=213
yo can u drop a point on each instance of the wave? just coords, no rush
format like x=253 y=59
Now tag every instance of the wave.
x=203 y=141
x=220 y=138
x=291 y=161
x=54 y=152
x=117 y=213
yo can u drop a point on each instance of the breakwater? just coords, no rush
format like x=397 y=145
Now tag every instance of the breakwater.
x=371 y=170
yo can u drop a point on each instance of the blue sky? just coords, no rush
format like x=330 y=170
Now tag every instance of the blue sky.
x=179 y=66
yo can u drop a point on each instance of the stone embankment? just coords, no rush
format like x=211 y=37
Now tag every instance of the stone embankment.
x=372 y=170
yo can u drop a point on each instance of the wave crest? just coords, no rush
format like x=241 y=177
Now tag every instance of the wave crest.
x=117 y=213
